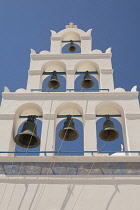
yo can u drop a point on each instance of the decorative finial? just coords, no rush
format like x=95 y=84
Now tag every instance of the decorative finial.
x=71 y=25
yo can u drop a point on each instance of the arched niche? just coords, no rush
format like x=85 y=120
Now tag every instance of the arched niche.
x=74 y=148
x=36 y=150
x=62 y=81
x=78 y=144
x=111 y=108
x=49 y=67
x=71 y=35
x=25 y=110
x=69 y=108
x=109 y=146
x=92 y=67
x=65 y=49
x=78 y=87
x=87 y=65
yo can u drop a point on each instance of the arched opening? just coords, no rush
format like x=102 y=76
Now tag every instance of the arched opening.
x=78 y=87
x=75 y=37
x=63 y=110
x=110 y=146
x=28 y=150
x=65 y=49
x=116 y=113
x=61 y=80
x=73 y=148
x=20 y=118
x=48 y=69
x=84 y=67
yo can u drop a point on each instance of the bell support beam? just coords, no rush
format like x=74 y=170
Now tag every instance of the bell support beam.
x=64 y=73
x=64 y=116
x=70 y=41
x=90 y=72
x=72 y=90
x=50 y=73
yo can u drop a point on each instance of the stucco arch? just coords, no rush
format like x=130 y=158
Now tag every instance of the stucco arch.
x=109 y=108
x=68 y=108
x=50 y=66
x=85 y=65
x=25 y=110
x=71 y=36
x=68 y=34
x=29 y=109
x=88 y=65
x=69 y=30
x=113 y=108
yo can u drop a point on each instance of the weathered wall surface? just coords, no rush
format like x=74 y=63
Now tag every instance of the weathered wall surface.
x=60 y=194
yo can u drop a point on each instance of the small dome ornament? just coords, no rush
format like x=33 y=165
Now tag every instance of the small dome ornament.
x=71 y=25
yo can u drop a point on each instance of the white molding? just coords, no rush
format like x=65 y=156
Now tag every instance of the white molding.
x=89 y=116
x=7 y=116
x=71 y=56
x=86 y=37
x=132 y=116
x=77 y=159
x=107 y=71
x=49 y=116
x=56 y=38
x=34 y=72
x=70 y=96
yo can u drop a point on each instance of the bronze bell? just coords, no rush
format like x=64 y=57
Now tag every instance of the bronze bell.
x=54 y=83
x=28 y=138
x=87 y=82
x=68 y=133
x=72 y=48
x=109 y=133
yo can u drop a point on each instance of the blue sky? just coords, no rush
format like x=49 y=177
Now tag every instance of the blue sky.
x=27 y=24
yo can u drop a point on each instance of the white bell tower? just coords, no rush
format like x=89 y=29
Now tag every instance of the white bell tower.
x=52 y=181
